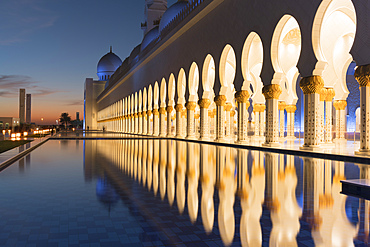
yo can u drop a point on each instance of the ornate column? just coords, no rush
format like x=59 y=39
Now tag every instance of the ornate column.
x=362 y=75
x=190 y=107
x=140 y=116
x=145 y=124
x=136 y=121
x=323 y=94
x=290 y=109
x=262 y=120
x=149 y=114
x=169 y=110
x=155 y=122
x=232 y=125
x=242 y=97
x=340 y=119
x=212 y=125
x=330 y=93
x=204 y=122
x=272 y=93
x=281 y=107
x=257 y=122
x=179 y=124
x=228 y=108
x=184 y=122
x=220 y=117
x=162 y=120
x=311 y=87
x=196 y=124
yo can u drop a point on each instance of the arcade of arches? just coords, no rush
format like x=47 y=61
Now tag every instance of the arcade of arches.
x=258 y=111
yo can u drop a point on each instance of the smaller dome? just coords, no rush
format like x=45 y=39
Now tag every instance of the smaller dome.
x=171 y=13
x=149 y=37
x=135 y=52
x=107 y=65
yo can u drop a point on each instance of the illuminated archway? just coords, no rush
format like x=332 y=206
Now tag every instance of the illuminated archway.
x=208 y=77
x=156 y=95
x=333 y=35
x=227 y=72
x=193 y=82
x=181 y=87
x=163 y=93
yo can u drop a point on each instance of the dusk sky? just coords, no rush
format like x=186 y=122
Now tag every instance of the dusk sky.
x=49 y=47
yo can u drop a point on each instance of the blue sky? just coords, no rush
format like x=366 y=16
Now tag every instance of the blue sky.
x=49 y=47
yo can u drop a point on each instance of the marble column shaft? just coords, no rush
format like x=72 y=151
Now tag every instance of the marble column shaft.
x=272 y=93
x=242 y=97
x=220 y=122
x=204 y=122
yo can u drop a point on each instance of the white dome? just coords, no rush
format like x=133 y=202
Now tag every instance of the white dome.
x=171 y=13
x=107 y=65
x=149 y=37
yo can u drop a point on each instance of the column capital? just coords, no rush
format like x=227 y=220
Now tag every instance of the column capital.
x=232 y=113
x=323 y=94
x=140 y=114
x=242 y=96
x=156 y=112
x=162 y=110
x=169 y=109
x=196 y=116
x=330 y=94
x=281 y=105
x=340 y=104
x=311 y=84
x=204 y=103
x=228 y=106
x=362 y=75
x=220 y=100
x=149 y=112
x=179 y=107
x=290 y=108
x=183 y=113
x=144 y=113
x=272 y=91
x=191 y=105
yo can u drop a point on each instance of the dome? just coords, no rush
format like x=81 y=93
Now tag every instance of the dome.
x=149 y=37
x=171 y=13
x=107 y=65
x=135 y=52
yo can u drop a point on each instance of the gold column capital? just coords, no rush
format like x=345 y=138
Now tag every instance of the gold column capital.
x=156 y=112
x=162 y=110
x=323 y=94
x=272 y=91
x=204 y=103
x=290 y=108
x=196 y=116
x=149 y=112
x=281 y=105
x=169 y=109
x=135 y=115
x=232 y=113
x=330 y=94
x=179 y=107
x=362 y=75
x=242 y=96
x=220 y=100
x=144 y=113
x=311 y=84
x=140 y=114
x=191 y=106
x=340 y=104
x=228 y=106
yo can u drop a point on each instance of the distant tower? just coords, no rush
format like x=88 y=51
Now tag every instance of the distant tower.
x=28 y=108
x=77 y=116
x=154 y=10
x=22 y=98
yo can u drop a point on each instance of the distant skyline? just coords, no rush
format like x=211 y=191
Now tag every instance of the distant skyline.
x=49 y=47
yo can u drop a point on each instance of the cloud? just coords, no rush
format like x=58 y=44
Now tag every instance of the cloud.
x=23 y=18
x=10 y=85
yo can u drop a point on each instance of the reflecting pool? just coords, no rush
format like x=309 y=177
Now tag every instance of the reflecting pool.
x=143 y=192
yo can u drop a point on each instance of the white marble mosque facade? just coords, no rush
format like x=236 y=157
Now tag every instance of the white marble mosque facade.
x=234 y=70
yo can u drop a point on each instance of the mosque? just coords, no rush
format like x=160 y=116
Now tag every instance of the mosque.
x=241 y=71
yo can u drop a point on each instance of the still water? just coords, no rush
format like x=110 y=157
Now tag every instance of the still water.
x=141 y=192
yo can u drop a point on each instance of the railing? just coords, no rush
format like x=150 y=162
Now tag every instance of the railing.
x=126 y=66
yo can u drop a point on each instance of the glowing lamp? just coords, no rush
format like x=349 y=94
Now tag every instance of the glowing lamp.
x=25 y=133
x=12 y=135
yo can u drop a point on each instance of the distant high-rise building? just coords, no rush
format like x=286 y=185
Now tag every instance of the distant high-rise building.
x=28 y=108
x=77 y=116
x=22 y=98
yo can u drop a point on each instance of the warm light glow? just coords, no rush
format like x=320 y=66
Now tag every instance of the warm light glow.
x=25 y=133
x=3 y=132
x=12 y=135
x=18 y=135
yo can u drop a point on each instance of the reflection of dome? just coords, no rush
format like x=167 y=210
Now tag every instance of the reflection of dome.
x=107 y=65
x=149 y=37
x=106 y=193
x=171 y=13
